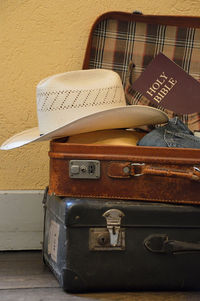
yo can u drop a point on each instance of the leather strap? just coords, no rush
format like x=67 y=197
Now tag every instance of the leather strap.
x=129 y=169
x=160 y=243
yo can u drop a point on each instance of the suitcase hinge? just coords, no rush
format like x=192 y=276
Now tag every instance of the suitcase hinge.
x=113 y=219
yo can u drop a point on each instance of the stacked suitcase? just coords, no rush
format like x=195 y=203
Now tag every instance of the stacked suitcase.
x=132 y=221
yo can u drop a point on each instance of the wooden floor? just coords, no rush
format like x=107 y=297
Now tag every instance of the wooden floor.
x=24 y=277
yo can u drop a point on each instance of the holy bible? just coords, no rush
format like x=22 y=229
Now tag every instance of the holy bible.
x=166 y=84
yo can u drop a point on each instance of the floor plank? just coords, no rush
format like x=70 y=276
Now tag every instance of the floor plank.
x=57 y=294
x=144 y=296
x=24 y=270
x=38 y=294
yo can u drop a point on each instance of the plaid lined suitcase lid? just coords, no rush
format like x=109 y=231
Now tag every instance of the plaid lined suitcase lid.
x=126 y=43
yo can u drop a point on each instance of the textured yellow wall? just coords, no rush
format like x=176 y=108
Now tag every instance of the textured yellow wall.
x=39 y=38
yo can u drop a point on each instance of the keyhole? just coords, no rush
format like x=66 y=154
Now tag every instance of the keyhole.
x=103 y=239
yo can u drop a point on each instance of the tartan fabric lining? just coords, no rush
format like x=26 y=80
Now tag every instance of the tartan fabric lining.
x=155 y=40
x=127 y=47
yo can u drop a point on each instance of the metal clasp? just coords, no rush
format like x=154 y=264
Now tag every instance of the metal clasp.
x=137 y=164
x=113 y=219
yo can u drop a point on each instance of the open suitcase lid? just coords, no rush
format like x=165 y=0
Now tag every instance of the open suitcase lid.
x=127 y=43
x=108 y=25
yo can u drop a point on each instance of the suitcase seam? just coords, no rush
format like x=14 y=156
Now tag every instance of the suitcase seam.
x=129 y=198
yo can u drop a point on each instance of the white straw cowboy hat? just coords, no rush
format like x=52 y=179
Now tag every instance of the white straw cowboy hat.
x=83 y=101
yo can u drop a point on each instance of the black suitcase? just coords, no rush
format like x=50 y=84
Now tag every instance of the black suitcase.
x=103 y=245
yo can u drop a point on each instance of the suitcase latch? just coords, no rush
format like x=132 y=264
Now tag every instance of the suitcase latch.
x=110 y=238
x=113 y=219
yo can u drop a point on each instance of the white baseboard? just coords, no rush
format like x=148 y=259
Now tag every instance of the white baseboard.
x=21 y=219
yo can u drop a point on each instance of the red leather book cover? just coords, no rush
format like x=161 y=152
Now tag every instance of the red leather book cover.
x=166 y=84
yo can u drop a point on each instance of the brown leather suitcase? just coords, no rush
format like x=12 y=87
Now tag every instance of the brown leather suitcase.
x=132 y=173
x=120 y=172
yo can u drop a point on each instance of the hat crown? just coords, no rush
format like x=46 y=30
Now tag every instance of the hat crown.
x=66 y=97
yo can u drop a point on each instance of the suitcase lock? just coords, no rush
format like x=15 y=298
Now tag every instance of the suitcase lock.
x=84 y=169
x=110 y=238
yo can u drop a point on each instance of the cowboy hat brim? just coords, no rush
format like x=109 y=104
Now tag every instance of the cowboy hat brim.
x=122 y=117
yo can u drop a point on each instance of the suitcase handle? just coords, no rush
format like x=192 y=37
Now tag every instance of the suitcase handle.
x=128 y=169
x=160 y=243
x=191 y=174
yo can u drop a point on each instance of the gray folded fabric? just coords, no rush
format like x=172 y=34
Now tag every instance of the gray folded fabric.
x=174 y=134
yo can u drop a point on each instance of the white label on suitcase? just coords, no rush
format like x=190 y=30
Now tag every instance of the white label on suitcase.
x=53 y=240
x=49 y=239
